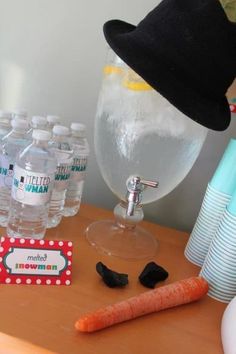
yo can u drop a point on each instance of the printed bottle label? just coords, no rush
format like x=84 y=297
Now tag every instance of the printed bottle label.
x=62 y=177
x=78 y=169
x=31 y=188
x=6 y=171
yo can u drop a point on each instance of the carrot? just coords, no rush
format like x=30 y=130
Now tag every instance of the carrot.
x=178 y=293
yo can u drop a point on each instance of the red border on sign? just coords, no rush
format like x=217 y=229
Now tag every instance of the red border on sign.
x=8 y=244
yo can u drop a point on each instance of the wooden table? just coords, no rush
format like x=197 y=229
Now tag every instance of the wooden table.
x=45 y=315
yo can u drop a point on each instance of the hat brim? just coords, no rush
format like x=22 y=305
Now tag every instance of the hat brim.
x=213 y=113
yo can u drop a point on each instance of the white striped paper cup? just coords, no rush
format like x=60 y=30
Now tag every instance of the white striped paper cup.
x=211 y=212
x=219 y=268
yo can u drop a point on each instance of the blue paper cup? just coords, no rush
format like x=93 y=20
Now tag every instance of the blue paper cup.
x=224 y=179
x=208 y=220
x=219 y=268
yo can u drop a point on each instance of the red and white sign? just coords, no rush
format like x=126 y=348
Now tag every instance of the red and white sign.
x=35 y=262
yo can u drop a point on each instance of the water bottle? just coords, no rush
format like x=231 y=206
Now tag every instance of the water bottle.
x=64 y=154
x=37 y=122
x=33 y=180
x=52 y=121
x=5 y=123
x=80 y=148
x=9 y=147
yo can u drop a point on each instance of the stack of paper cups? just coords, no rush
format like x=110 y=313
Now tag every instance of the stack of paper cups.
x=217 y=197
x=219 y=268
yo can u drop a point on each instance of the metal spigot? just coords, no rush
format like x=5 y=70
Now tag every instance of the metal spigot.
x=135 y=185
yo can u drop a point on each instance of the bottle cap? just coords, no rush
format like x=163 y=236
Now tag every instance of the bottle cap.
x=61 y=130
x=20 y=113
x=41 y=135
x=78 y=128
x=5 y=114
x=19 y=124
x=39 y=120
x=53 y=119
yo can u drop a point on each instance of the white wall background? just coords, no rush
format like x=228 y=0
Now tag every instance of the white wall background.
x=51 y=58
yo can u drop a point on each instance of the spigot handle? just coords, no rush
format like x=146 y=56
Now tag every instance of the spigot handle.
x=135 y=186
x=147 y=183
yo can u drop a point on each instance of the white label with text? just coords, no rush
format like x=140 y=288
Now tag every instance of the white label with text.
x=33 y=261
x=31 y=188
x=78 y=169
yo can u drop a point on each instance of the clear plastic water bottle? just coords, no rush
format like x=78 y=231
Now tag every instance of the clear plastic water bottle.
x=80 y=147
x=37 y=122
x=10 y=145
x=5 y=123
x=33 y=180
x=52 y=121
x=64 y=154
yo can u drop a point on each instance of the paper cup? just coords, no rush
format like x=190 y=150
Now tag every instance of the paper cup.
x=219 y=268
x=217 y=197
x=208 y=220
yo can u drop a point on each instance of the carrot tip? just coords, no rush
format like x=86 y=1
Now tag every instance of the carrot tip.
x=79 y=327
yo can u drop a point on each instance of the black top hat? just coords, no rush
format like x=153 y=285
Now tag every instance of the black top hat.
x=186 y=50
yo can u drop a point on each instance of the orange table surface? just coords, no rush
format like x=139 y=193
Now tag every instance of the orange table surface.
x=45 y=315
